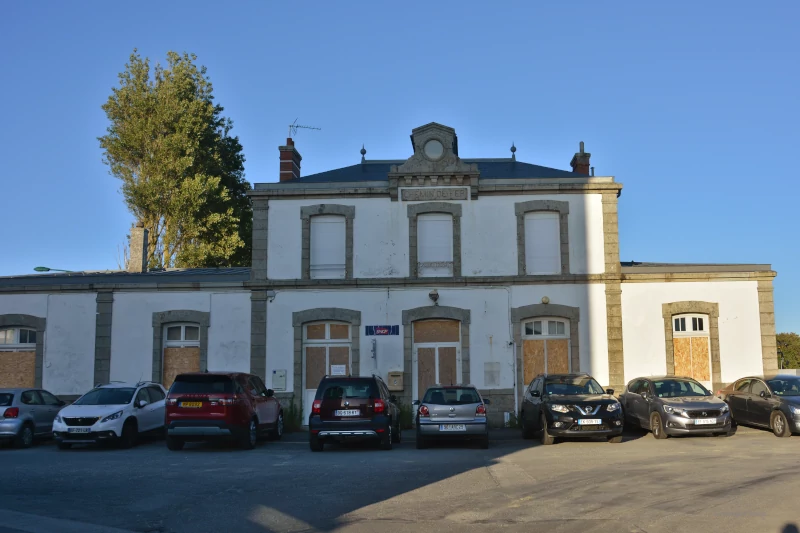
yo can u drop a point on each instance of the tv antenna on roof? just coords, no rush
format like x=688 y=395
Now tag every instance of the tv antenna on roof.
x=294 y=126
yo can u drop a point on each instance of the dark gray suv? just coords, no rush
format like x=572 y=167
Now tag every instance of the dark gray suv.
x=672 y=405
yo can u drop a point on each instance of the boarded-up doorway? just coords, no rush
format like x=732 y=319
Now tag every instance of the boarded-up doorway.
x=692 y=348
x=545 y=347
x=326 y=351
x=17 y=369
x=437 y=354
x=181 y=351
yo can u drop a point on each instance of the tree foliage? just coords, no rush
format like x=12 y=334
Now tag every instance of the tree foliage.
x=182 y=172
x=789 y=349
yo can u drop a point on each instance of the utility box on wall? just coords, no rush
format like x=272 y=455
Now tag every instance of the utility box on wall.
x=279 y=380
x=395 y=381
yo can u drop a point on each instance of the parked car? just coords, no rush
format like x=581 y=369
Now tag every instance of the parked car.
x=27 y=414
x=347 y=408
x=229 y=405
x=117 y=412
x=570 y=405
x=452 y=412
x=771 y=402
x=671 y=405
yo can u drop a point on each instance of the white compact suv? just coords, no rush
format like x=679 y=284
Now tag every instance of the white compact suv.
x=116 y=412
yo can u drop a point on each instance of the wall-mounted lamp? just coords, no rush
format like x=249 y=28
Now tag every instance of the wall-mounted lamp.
x=434 y=295
x=545 y=300
x=271 y=295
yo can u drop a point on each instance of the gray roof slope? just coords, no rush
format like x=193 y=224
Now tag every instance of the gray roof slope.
x=489 y=169
x=175 y=275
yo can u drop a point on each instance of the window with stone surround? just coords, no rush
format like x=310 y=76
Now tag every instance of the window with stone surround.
x=542 y=244
x=328 y=258
x=181 y=335
x=17 y=338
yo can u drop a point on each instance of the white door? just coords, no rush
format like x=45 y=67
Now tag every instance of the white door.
x=326 y=351
x=435 y=364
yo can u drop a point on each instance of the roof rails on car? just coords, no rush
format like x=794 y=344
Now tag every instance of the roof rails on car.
x=147 y=381
x=97 y=385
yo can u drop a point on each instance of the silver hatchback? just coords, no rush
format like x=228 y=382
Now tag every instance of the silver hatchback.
x=452 y=412
x=26 y=414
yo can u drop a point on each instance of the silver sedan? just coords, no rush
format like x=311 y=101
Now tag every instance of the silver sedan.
x=452 y=412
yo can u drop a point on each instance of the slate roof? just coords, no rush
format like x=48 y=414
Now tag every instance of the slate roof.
x=636 y=266
x=170 y=275
x=489 y=169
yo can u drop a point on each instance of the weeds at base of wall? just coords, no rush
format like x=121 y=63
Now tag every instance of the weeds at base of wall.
x=292 y=418
x=513 y=421
x=406 y=416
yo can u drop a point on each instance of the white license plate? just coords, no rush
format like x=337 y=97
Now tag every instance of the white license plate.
x=78 y=430
x=704 y=421
x=452 y=427
x=348 y=412
x=589 y=422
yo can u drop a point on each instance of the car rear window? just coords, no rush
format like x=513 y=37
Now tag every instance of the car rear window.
x=336 y=390
x=202 y=385
x=451 y=396
x=6 y=399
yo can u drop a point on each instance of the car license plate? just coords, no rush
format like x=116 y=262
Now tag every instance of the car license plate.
x=191 y=404
x=452 y=427
x=589 y=422
x=704 y=421
x=348 y=412
x=78 y=430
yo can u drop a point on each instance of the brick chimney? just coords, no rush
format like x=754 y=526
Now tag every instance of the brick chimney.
x=580 y=162
x=290 y=161
x=137 y=262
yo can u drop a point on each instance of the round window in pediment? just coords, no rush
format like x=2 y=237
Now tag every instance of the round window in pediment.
x=434 y=149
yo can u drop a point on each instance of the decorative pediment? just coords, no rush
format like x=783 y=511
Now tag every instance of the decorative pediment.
x=435 y=162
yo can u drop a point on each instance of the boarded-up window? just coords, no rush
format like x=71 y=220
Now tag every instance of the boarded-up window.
x=691 y=347
x=435 y=244
x=545 y=347
x=542 y=243
x=327 y=247
x=437 y=331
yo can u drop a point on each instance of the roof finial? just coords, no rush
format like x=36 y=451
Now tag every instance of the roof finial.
x=581 y=146
x=513 y=150
x=363 y=153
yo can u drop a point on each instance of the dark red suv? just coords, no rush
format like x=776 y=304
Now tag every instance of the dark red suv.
x=209 y=405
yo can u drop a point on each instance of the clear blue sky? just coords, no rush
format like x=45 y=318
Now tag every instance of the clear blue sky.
x=691 y=105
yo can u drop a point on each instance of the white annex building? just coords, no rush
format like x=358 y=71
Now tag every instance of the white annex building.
x=432 y=269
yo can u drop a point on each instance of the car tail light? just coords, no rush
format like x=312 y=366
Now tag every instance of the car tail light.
x=172 y=401
x=224 y=401
x=11 y=412
x=316 y=407
x=481 y=410
x=423 y=410
x=380 y=406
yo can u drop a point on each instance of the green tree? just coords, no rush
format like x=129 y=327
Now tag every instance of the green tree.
x=789 y=349
x=182 y=172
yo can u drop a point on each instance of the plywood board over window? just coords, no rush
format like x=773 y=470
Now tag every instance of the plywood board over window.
x=17 y=369
x=558 y=356
x=437 y=331
x=448 y=365
x=700 y=359
x=426 y=368
x=315 y=365
x=178 y=361
x=533 y=359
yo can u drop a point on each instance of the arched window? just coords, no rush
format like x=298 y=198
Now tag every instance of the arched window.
x=17 y=338
x=181 y=335
x=691 y=347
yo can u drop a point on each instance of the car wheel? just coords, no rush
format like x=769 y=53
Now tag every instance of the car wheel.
x=64 y=445
x=277 y=433
x=388 y=439
x=656 y=427
x=723 y=434
x=396 y=435
x=316 y=444
x=780 y=427
x=24 y=437
x=547 y=438
x=527 y=431
x=130 y=433
x=615 y=439
x=249 y=436
x=174 y=444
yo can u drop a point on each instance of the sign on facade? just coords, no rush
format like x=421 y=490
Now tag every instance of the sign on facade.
x=338 y=370
x=382 y=330
x=438 y=193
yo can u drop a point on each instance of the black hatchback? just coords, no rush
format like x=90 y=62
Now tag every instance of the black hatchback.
x=771 y=402
x=570 y=405
x=347 y=408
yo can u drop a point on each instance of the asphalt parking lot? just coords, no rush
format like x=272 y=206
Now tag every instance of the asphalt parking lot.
x=747 y=482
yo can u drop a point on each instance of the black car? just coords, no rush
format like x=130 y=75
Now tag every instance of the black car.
x=353 y=408
x=771 y=402
x=570 y=405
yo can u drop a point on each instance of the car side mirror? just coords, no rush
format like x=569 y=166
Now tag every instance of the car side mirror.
x=141 y=403
x=415 y=402
x=487 y=401
x=62 y=403
x=645 y=395
x=270 y=393
x=763 y=394
x=535 y=393
x=393 y=398
x=610 y=392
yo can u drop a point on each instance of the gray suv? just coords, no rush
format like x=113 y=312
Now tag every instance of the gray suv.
x=671 y=405
x=26 y=414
